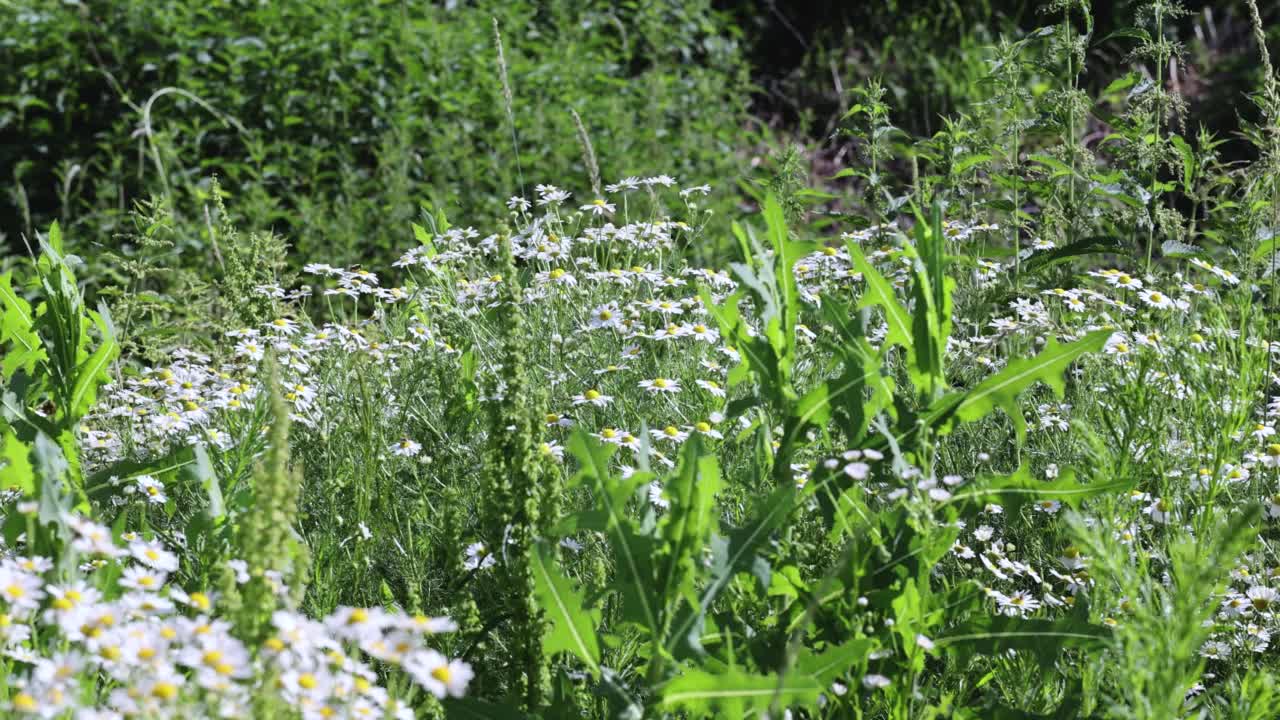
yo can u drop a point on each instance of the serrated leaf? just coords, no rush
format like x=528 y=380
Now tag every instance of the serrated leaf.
x=1079 y=248
x=690 y=518
x=1045 y=640
x=93 y=372
x=735 y=694
x=421 y=235
x=16 y=472
x=633 y=552
x=969 y=161
x=832 y=663
x=17 y=329
x=1015 y=490
x=1001 y=390
x=476 y=709
x=572 y=627
x=736 y=553
x=879 y=292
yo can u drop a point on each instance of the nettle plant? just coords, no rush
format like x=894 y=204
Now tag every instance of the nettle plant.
x=860 y=631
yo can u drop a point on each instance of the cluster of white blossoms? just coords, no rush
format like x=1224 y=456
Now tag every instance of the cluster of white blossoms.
x=632 y=356
x=115 y=638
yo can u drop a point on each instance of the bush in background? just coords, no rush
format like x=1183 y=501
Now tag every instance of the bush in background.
x=331 y=123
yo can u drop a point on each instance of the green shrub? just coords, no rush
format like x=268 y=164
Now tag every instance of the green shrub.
x=331 y=122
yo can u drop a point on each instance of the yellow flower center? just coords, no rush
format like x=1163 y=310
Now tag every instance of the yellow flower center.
x=703 y=427
x=307 y=681
x=660 y=383
x=164 y=691
x=592 y=394
x=441 y=673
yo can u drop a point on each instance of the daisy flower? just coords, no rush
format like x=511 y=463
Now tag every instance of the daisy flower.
x=670 y=433
x=660 y=385
x=441 y=676
x=1156 y=299
x=405 y=448
x=592 y=397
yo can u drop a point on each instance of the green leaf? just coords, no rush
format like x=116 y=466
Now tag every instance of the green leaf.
x=734 y=554
x=735 y=694
x=16 y=472
x=421 y=235
x=17 y=328
x=1084 y=246
x=1002 y=389
x=633 y=552
x=1059 y=168
x=476 y=709
x=201 y=470
x=93 y=372
x=690 y=518
x=1188 y=160
x=1045 y=640
x=1014 y=491
x=969 y=161
x=834 y=662
x=880 y=292
x=572 y=627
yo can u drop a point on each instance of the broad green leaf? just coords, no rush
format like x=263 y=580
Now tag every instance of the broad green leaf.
x=93 y=372
x=572 y=627
x=421 y=235
x=1085 y=246
x=633 y=552
x=832 y=663
x=201 y=470
x=119 y=473
x=1188 y=160
x=1045 y=640
x=476 y=709
x=1002 y=389
x=1014 y=491
x=1059 y=168
x=16 y=472
x=17 y=329
x=689 y=520
x=969 y=161
x=880 y=292
x=53 y=499
x=735 y=694
x=737 y=553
